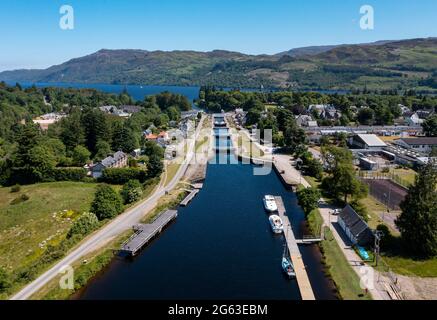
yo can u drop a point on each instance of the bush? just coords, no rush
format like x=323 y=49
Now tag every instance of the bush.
x=131 y=191
x=5 y=281
x=86 y=223
x=123 y=175
x=107 y=203
x=20 y=199
x=68 y=174
x=387 y=238
x=16 y=188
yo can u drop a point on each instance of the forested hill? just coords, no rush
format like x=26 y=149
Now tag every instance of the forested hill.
x=404 y=64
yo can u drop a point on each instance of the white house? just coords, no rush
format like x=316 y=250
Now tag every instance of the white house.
x=422 y=145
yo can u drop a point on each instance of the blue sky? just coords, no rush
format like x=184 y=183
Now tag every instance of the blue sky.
x=31 y=37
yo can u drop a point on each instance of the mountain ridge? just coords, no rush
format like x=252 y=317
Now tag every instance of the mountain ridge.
x=385 y=64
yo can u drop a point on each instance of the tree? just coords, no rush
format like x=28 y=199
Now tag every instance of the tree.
x=131 y=191
x=366 y=116
x=96 y=128
x=72 y=132
x=107 y=203
x=152 y=148
x=308 y=199
x=80 y=156
x=103 y=150
x=418 y=220
x=41 y=162
x=314 y=168
x=154 y=166
x=342 y=181
x=86 y=223
x=124 y=139
x=430 y=126
x=28 y=138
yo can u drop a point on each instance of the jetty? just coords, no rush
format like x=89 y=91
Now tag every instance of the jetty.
x=306 y=291
x=146 y=232
x=189 y=197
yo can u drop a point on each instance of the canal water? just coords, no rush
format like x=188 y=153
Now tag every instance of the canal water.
x=220 y=247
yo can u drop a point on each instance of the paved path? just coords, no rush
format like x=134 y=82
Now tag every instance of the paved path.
x=116 y=227
x=291 y=175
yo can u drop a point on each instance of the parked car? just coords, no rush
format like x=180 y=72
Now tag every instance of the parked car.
x=336 y=212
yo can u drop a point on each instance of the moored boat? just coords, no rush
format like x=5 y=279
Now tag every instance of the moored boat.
x=287 y=267
x=276 y=224
x=270 y=203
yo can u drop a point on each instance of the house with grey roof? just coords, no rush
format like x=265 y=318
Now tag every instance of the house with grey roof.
x=117 y=160
x=355 y=228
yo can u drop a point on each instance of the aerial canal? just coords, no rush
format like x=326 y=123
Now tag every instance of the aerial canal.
x=220 y=247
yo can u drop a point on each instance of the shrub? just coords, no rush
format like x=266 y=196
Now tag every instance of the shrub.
x=131 y=191
x=20 y=199
x=68 y=174
x=123 y=175
x=16 y=188
x=107 y=203
x=86 y=223
x=5 y=281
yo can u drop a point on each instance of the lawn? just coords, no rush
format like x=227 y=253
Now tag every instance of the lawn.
x=411 y=267
x=28 y=227
x=407 y=175
x=248 y=147
x=171 y=170
x=345 y=278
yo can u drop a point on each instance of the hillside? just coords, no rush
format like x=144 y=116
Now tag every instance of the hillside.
x=404 y=64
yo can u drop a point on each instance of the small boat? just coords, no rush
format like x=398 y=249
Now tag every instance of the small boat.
x=270 y=203
x=276 y=224
x=287 y=267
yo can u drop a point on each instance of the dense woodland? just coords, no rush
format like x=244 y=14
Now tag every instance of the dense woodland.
x=27 y=154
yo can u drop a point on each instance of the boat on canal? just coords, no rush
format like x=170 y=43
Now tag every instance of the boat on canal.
x=270 y=203
x=276 y=223
x=287 y=267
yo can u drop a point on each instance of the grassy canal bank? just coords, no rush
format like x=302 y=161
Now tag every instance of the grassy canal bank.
x=337 y=267
x=96 y=262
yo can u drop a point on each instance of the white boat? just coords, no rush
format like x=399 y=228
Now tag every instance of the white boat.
x=270 y=203
x=276 y=223
x=287 y=267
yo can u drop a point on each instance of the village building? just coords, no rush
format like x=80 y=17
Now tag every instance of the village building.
x=369 y=142
x=355 y=228
x=118 y=160
x=46 y=120
x=422 y=145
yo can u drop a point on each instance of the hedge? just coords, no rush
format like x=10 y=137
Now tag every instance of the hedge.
x=123 y=175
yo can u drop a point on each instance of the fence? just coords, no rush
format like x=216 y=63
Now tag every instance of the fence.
x=385 y=175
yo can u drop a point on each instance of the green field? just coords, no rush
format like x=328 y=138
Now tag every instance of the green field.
x=28 y=227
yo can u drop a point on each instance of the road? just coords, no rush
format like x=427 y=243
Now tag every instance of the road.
x=116 y=227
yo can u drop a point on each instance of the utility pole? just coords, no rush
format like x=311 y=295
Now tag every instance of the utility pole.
x=378 y=235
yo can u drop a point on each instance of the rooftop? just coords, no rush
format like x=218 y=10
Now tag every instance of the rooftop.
x=372 y=140
x=422 y=140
